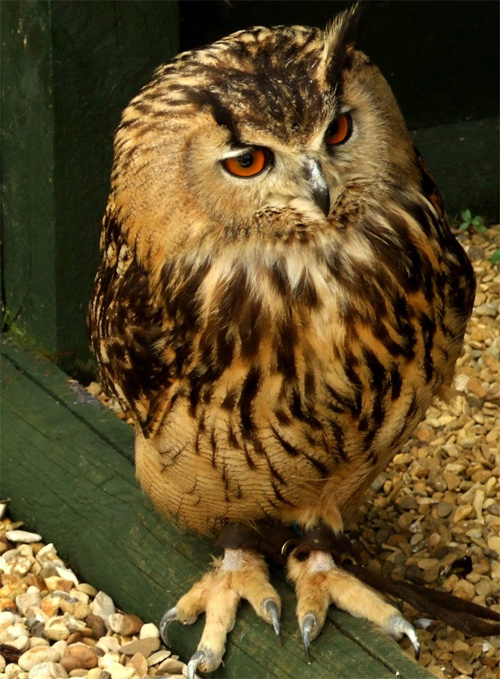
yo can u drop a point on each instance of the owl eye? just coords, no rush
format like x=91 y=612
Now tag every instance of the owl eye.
x=248 y=164
x=339 y=130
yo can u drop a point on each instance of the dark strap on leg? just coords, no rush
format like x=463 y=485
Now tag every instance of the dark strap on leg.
x=277 y=541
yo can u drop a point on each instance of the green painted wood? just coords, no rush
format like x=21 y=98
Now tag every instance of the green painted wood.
x=68 y=70
x=66 y=466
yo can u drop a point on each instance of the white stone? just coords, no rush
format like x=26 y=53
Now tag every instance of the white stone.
x=118 y=671
x=48 y=555
x=116 y=622
x=38 y=641
x=108 y=659
x=67 y=574
x=103 y=605
x=38 y=614
x=38 y=655
x=29 y=599
x=55 y=628
x=48 y=670
x=12 y=670
x=108 y=644
x=60 y=646
x=158 y=657
x=8 y=618
x=79 y=596
x=17 y=565
x=72 y=623
x=149 y=630
x=21 y=643
x=22 y=536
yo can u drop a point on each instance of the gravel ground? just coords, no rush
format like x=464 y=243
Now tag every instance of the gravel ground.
x=432 y=517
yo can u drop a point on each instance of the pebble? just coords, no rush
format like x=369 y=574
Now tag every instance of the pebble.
x=48 y=670
x=103 y=606
x=56 y=628
x=139 y=663
x=171 y=666
x=462 y=512
x=109 y=644
x=444 y=509
x=460 y=662
x=149 y=630
x=158 y=657
x=22 y=536
x=126 y=625
x=78 y=656
x=37 y=655
x=145 y=646
x=118 y=671
x=96 y=624
x=494 y=543
x=29 y=599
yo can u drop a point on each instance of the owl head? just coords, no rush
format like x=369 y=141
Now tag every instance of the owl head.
x=267 y=130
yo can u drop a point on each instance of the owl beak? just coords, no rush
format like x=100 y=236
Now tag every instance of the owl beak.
x=319 y=187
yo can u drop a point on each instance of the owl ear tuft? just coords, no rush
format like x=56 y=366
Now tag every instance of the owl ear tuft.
x=340 y=39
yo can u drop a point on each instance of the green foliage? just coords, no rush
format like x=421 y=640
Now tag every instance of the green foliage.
x=474 y=223
x=495 y=257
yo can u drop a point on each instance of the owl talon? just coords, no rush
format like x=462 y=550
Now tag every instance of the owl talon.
x=272 y=610
x=167 y=618
x=195 y=661
x=398 y=627
x=308 y=625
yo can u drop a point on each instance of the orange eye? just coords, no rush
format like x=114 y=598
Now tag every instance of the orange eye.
x=248 y=164
x=339 y=130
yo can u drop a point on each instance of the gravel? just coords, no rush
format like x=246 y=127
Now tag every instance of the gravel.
x=432 y=517
x=51 y=625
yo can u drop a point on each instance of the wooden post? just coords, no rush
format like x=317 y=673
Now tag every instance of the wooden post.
x=68 y=69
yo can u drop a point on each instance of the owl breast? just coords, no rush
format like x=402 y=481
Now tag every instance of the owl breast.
x=300 y=362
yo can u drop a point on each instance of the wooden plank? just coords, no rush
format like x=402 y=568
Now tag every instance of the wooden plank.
x=79 y=490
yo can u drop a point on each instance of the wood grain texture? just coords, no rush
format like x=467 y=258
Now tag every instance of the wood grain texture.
x=66 y=465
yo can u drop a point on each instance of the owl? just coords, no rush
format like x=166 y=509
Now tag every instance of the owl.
x=279 y=299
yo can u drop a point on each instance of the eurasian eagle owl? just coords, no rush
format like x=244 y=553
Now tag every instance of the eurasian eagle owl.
x=279 y=299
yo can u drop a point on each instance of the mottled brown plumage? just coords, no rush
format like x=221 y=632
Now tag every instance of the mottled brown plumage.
x=276 y=337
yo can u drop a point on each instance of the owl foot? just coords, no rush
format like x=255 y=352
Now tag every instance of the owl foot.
x=241 y=574
x=318 y=583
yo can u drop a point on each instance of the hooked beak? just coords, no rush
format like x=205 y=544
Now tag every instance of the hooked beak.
x=319 y=187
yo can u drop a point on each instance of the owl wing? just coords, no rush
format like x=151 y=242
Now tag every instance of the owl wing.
x=127 y=328
x=428 y=185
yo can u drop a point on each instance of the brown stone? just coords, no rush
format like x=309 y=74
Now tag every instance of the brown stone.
x=476 y=387
x=464 y=589
x=460 y=662
x=139 y=663
x=96 y=624
x=130 y=625
x=444 y=509
x=171 y=666
x=78 y=656
x=145 y=646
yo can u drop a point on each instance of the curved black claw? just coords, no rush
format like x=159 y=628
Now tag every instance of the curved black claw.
x=196 y=659
x=399 y=626
x=308 y=624
x=169 y=617
x=272 y=610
